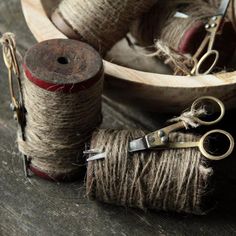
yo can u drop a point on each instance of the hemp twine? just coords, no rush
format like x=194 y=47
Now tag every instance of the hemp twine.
x=179 y=63
x=58 y=125
x=102 y=23
x=168 y=33
x=161 y=22
x=62 y=88
x=170 y=180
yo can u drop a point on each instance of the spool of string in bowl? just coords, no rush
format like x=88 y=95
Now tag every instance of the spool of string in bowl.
x=62 y=88
x=176 y=180
x=177 y=28
x=100 y=23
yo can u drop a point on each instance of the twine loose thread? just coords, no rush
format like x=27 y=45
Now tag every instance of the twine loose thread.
x=58 y=125
x=179 y=63
x=102 y=23
x=170 y=180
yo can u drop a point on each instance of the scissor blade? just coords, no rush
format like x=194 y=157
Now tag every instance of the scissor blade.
x=137 y=145
x=223 y=7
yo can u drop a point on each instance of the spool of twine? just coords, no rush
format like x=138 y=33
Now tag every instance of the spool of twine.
x=183 y=34
x=170 y=180
x=100 y=23
x=62 y=92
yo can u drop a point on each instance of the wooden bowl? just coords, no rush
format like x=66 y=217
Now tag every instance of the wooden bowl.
x=155 y=92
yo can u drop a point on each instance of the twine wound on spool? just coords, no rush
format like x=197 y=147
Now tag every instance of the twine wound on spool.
x=170 y=180
x=62 y=92
x=183 y=34
x=100 y=23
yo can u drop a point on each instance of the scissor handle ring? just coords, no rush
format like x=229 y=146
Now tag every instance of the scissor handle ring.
x=217 y=101
x=203 y=58
x=220 y=157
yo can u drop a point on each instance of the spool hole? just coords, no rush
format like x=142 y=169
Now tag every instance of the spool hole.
x=63 y=60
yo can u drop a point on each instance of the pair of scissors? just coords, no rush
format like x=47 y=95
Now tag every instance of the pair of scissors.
x=213 y=27
x=17 y=104
x=204 y=111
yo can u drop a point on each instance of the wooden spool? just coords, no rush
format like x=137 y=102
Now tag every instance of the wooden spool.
x=65 y=66
x=155 y=92
x=70 y=66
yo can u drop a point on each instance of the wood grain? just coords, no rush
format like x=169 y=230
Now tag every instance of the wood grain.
x=136 y=87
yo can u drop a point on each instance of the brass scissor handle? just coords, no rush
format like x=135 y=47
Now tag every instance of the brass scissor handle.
x=11 y=62
x=17 y=105
x=212 y=29
x=208 y=103
x=215 y=152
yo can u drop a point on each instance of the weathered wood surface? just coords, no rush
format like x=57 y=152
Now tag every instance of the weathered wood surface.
x=37 y=207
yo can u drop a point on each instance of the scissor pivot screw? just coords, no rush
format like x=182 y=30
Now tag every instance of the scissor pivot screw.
x=12 y=107
x=164 y=139
x=213 y=25
x=214 y=18
x=161 y=133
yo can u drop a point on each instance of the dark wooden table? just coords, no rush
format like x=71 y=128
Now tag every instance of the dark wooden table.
x=37 y=207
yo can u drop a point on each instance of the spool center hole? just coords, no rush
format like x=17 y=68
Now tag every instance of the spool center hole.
x=62 y=60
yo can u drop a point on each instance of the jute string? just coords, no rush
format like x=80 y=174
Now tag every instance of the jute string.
x=58 y=125
x=171 y=180
x=231 y=14
x=102 y=23
x=160 y=23
x=163 y=29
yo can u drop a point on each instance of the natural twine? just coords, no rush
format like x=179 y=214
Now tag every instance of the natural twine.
x=168 y=31
x=160 y=23
x=179 y=63
x=102 y=23
x=170 y=180
x=58 y=125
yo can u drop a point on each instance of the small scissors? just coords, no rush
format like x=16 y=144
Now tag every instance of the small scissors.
x=213 y=27
x=17 y=105
x=201 y=113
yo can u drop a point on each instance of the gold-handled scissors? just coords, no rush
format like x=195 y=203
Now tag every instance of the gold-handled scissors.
x=17 y=103
x=214 y=145
x=213 y=27
x=205 y=110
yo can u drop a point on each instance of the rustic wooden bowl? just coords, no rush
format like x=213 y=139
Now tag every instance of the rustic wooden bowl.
x=155 y=92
